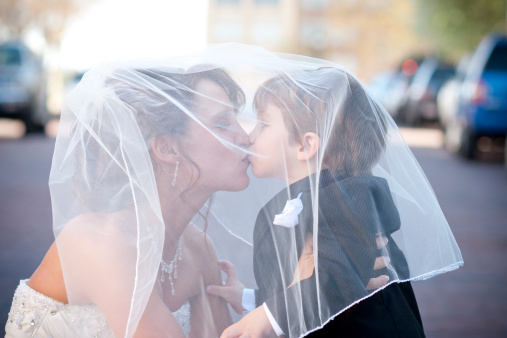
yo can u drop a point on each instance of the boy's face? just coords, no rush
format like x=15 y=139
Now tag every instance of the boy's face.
x=275 y=157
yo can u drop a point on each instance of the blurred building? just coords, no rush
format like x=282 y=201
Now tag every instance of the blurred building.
x=366 y=36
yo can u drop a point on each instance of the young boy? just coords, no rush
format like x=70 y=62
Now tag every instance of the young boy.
x=317 y=131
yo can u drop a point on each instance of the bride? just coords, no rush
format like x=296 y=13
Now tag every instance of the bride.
x=122 y=211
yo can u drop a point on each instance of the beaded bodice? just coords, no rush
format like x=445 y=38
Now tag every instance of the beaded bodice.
x=33 y=314
x=182 y=316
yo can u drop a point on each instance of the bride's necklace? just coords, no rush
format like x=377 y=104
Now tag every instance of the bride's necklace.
x=171 y=268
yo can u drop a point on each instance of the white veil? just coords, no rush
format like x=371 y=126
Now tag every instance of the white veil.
x=143 y=143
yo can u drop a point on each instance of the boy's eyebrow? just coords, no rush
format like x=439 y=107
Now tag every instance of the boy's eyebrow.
x=263 y=118
x=263 y=115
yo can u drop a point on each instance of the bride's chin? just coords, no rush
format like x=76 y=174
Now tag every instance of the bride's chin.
x=242 y=183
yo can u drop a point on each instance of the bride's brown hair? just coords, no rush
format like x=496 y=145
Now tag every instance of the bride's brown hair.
x=157 y=101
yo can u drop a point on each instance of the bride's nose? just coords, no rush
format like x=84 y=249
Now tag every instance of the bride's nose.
x=242 y=138
x=244 y=141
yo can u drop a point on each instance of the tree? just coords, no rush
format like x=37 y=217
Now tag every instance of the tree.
x=49 y=17
x=457 y=26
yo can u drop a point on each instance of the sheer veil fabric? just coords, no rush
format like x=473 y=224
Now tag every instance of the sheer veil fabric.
x=152 y=152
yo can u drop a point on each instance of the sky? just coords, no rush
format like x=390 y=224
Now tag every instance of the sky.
x=114 y=29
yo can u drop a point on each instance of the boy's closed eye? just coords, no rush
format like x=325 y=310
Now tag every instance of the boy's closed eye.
x=263 y=124
x=259 y=127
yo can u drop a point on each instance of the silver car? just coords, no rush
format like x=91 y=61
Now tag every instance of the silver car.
x=22 y=86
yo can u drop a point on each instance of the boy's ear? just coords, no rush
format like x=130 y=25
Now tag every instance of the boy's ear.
x=310 y=145
x=165 y=149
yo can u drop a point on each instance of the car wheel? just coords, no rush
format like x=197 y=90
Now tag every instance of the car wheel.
x=505 y=153
x=414 y=120
x=459 y=139
x=412 y=116
x=467 y=145
x=27 y=118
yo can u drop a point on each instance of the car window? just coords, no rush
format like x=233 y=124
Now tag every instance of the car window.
x=9 y=57
x=440 y=76
x=498 y=59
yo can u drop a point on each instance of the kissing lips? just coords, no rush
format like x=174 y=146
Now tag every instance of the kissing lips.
x=246 y=160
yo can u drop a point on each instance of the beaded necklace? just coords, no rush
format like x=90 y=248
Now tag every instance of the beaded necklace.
x=171 y=268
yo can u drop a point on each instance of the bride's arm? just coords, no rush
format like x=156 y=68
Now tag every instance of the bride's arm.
x=210 y=314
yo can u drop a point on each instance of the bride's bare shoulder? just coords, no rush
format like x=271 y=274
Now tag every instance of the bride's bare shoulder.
x=98 y=241
x=84 y=247
x=101 y=229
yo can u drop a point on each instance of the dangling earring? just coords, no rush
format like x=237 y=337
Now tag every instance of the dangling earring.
x=175 y=174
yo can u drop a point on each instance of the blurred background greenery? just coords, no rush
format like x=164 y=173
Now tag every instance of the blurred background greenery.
x=322 y=28
x=455 y=27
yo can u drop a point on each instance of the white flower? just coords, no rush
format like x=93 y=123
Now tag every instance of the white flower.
x=289 y=216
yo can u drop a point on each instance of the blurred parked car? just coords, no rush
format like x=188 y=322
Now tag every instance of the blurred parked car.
x=482 y=108
x=397 y=97
x=396 y=84
x=22 y=86
x=380 y=88
x=421 y=104
x=448 y=96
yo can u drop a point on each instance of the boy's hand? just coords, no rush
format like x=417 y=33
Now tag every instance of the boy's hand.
x=232 y=291
x=377 y=282
x=254 y=325
x=306 y=264
x=380 y=263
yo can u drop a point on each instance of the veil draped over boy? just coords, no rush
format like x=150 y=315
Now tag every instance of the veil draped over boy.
x=323 y=189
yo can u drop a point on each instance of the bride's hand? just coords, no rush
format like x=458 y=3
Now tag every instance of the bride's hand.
x=232 y=290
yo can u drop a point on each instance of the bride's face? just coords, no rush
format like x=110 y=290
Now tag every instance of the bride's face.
x=221 y=166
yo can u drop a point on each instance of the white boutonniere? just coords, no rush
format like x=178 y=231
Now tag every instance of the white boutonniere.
x=290 y=215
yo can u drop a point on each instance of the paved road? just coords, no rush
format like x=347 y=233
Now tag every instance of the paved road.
x=469 y=302
x=25 y=211
x=472 y=301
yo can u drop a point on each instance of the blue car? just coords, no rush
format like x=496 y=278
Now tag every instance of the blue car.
x=482 y=105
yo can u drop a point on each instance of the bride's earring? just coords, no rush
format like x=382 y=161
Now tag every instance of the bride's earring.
x=175 y=174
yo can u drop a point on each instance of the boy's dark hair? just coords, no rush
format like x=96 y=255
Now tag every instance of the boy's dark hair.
x=334 y=105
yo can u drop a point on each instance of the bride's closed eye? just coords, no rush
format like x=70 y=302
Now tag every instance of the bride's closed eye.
x=223 y=120
x=222 y=123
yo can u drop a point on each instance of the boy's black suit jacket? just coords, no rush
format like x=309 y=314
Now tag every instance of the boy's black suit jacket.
x=351 y=211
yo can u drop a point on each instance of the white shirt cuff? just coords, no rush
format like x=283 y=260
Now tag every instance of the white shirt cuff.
x=272 y=320
x=248 y=300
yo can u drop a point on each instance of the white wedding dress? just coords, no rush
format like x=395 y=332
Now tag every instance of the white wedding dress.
x=33 y=314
